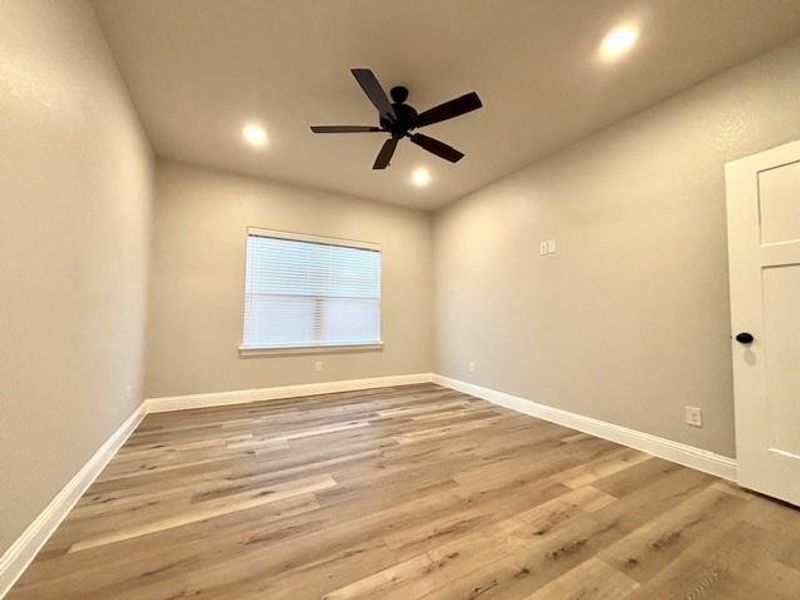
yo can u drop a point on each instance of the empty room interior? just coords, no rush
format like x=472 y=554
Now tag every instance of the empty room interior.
x=436 y=299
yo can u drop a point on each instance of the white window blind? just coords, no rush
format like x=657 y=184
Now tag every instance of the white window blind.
x=305 y=291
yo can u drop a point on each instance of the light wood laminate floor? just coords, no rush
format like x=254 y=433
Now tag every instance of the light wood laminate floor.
x=405 y=493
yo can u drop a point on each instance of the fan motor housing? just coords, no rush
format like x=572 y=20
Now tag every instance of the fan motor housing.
x=406 y=114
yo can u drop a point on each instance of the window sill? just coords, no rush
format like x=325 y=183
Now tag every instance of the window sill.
x=245 y=351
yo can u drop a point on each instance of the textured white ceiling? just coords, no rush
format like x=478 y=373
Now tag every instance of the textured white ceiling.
x=198 y=69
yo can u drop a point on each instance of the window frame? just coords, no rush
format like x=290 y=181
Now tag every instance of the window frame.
x=248 y=350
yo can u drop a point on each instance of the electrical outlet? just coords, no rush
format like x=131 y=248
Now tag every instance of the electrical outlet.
x=471 y=367
x=543 y=247
x=551 y=246
x=318 y=365
x=128 y=391
x=694 y=416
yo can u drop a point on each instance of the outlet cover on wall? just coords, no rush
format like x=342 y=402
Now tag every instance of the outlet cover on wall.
x=471 y=367
x=694 y=416
x=318 y=365
x=547 y=247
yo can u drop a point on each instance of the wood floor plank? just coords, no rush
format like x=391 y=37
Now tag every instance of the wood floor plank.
x=209 y=510
x=591 y=580
x=405 y=493
x=646 y=551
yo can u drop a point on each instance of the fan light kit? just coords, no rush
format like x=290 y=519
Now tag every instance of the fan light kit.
x=398 y=119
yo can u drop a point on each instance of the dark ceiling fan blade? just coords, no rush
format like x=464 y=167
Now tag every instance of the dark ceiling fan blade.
x=372 y=88
x=343 y=128
x=438 y=148
x=386 y=153
x=448 y=110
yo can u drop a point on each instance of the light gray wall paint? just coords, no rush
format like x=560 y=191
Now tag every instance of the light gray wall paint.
x=197 y=281
x=629 y=321
x=75 y=184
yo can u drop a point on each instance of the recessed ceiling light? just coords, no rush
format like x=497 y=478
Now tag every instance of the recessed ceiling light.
x=254 y=134
x=618 y=41
x=421 y=177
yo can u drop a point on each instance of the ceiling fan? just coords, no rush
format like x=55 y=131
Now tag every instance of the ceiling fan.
x=398 y=119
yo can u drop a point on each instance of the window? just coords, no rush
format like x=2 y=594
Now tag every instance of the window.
x=304 y=291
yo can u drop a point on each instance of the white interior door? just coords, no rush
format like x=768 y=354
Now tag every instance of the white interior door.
x=763 y=193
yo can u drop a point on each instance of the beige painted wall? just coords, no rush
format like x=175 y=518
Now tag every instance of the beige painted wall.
x=75 y=186
x=628 y=321
x=197 y=281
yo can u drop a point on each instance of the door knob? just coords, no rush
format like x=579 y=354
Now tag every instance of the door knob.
x=744 y=338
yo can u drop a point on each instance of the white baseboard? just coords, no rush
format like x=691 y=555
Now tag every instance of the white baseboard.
x=16 y=559
x=689 y=456
x=170 y=403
